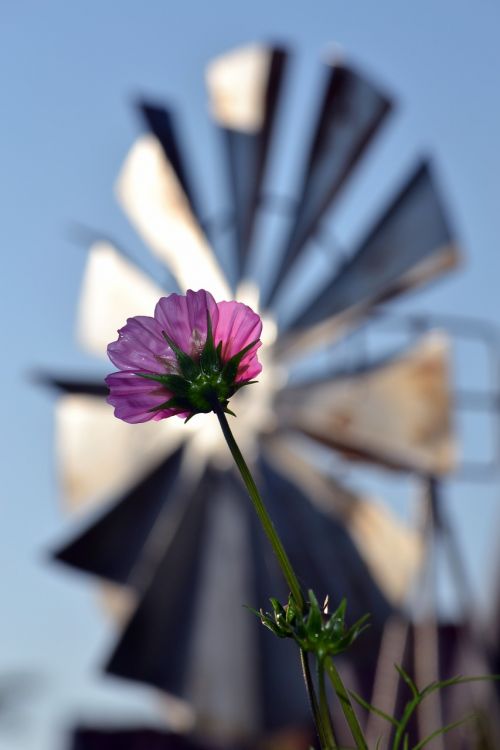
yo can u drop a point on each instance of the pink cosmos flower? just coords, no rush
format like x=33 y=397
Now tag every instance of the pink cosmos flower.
x=192 y=356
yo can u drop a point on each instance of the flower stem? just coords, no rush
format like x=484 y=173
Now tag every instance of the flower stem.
x=346 y=705
x=326 y=721
x=260 y=509
x=304 y=660
x=283 y=561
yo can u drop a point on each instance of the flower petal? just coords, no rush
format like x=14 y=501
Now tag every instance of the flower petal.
x=133 y=397
x=238 y=326
x=184 y=318
x=140 y=346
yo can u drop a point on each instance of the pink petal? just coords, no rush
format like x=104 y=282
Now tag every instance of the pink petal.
x=237 y=327
x=133 y=397
x=139 y=346
x=184 y=318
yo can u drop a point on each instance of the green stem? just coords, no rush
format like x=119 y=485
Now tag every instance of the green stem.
x=282 y=558
x=326 y=721
x=315 y=709
x=346 y=705
x=260 y=509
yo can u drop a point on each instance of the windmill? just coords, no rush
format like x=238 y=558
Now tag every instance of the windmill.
x=172 y=504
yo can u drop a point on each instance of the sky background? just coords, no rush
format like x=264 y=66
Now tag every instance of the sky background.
x=69 y=73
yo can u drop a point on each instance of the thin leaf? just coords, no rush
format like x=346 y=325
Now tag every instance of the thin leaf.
x=346 y=705
x=458 y=680
x=407 y=714
x=406 y=677
x=443 y=730
x=368 y=706
x=431 y=688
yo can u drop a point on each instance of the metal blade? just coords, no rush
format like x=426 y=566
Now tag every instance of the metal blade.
x=161 y=123
x=319 y=544
x=113 y=289
x=326 y=560
x=154 y=648
x=397 y=414
x=392 y=550
x=409 y=245
x=277 y=664
x=120 y=545
x=244 y=88
x=70 y=385
x=152 y=196
x=99 y=456
x=351 y=112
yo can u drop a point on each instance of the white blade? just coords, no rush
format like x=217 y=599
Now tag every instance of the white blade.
x=100 y=456
x=113 y=290
x=391 y=549
x=237 y=86
x=398 y=414
x=152 y=197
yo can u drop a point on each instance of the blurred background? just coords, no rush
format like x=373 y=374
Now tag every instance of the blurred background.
x=72 y=76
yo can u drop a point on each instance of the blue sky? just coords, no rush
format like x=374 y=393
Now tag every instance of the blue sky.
x=69 y=73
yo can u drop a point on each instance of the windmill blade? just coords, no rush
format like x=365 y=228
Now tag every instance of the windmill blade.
x=190 y=635
x=351 y=113
x=99 y=456
x=277 y=667
x=189 y=630
x=409 y=245
x=327 y=561
x=244 y=87
x=72 y=386
x=160 y=121
x=397 y=414
x=113 y=736
x=125 y=541
x=323 y=554
x=391 y=550
x=154 y=647
x=151 y=194
x=319 y=544
x=113 y=289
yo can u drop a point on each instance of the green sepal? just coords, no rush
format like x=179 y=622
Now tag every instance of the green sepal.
x=152 y=376
x=176 y=402
x=314 y=620
x=210 y=356
x=292 y=612
x=242 y=383
x=310 y=627
x=230 y=369
x=268 y=622
x=277 y=607
x=336 y=623
x=272 y=626
x=186 y=365
x=176 y=384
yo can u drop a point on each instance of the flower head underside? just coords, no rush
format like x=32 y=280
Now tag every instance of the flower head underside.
x=190 y=357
